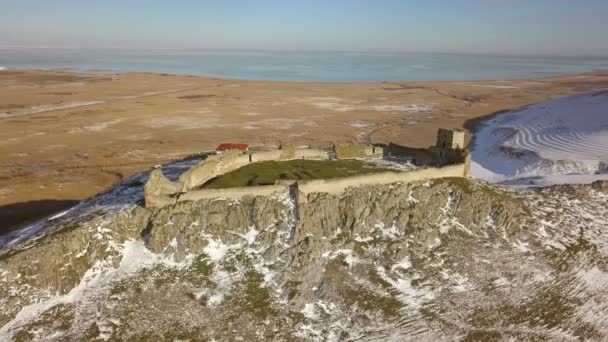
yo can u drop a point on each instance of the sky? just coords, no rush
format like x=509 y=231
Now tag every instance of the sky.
x=556 y=27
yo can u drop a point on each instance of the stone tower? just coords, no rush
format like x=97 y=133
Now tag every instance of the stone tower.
x=450 y=139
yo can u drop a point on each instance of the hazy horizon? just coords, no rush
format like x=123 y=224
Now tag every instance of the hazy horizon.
x=295 y=50
x=496 y=27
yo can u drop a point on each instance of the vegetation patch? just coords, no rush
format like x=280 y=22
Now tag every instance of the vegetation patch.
x=58 y=318
x=252 y=297
x=203 y=266
x=267 y=173
x=469 y=188
x=369 y=301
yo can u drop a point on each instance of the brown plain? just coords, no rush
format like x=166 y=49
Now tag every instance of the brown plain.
x=65 y=137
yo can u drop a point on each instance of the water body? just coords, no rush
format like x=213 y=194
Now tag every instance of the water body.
x=304 y=66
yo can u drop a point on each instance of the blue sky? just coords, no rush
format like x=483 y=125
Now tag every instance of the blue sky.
x=566 y=27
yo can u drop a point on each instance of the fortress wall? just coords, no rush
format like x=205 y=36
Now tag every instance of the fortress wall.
x=378 y=152
x=336 y=186
x=160 y=191
x=217 y=165
x=331 y=186
x=432 y=156
x=467 y=165
x=212 y=167
x=277 y=155
x=450 y=156
x=311 y=154
x=233 y=193
x=358 y=151
x=419 y=156
x=263 y=156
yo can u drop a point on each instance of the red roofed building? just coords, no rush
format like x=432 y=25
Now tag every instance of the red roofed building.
x=228 y=147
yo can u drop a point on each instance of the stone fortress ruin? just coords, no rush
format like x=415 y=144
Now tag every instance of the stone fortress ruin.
x=448 y=158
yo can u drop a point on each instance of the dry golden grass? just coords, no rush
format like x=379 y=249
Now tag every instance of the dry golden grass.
x=69 y=136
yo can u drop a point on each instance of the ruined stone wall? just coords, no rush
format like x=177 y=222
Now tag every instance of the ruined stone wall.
x=358 y=151
x=217 y=165
x=450 y=156
x=233 y=193
x=433 y=156
x=289 y=154
x=160 y=191
x=263 y=156
x=339 y=185
x=331 y=186
x=450 y=139
x=311 y=154
x=417 y=156
x=212 y=167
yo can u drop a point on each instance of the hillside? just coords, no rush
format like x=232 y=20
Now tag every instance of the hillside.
x=440 y=260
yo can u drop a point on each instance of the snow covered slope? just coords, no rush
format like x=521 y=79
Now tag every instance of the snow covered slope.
x=561 y=141
x=448 y=260
x=124 y=196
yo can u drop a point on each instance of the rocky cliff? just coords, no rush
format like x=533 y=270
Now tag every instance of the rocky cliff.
x=441 y=260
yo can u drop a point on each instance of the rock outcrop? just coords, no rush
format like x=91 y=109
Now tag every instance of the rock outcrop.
x=445 y=257
x=159 y=191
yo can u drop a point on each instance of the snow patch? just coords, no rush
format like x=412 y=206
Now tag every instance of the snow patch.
x=361 y=124
x=408 y=293
x=349 y=258
x=388 y=233
x=50 y=108
x=310 y=311
x=251 y=235
x=135 y=257
x=556 y=142
x=216 y=250
x=387 y=164
x=404 y=264
x=340 y=105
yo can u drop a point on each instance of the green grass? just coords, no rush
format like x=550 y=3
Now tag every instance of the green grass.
x=267 y=173
x=252 y=297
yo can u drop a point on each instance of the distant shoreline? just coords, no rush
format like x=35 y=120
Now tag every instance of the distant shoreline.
x=110 y=72
x=309 y=67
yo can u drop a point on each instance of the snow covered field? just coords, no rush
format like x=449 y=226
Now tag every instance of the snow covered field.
x=557 y=142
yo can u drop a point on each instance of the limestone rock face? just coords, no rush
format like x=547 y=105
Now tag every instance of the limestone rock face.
x=224 y=218
x=410 y=209
x=158 y=190
x=437 y=259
